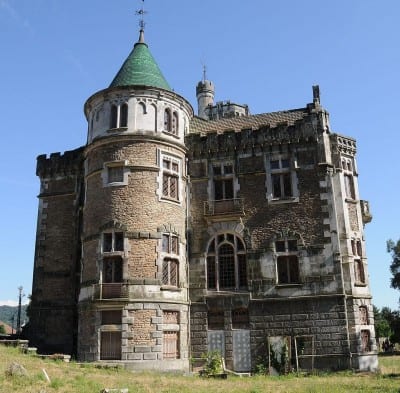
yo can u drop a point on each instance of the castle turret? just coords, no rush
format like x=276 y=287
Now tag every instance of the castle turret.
x=205 y=97
x=133 y=303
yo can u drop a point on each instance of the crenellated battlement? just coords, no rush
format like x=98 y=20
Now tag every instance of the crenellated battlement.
x=58 y=164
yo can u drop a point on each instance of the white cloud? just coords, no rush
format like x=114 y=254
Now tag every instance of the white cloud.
x=12 y=303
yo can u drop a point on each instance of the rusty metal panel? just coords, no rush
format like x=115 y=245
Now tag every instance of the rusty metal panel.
x=241 y=351
x=216 y=341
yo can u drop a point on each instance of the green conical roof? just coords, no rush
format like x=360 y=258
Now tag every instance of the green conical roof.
x=140 y=69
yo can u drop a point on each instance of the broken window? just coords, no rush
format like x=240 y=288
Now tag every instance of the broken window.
x=223 y=181
x=349 y=186
x=112 y=270
x=240 y=318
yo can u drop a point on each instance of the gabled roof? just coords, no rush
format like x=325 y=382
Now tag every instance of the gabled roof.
x=140 y=69
x=272 y=119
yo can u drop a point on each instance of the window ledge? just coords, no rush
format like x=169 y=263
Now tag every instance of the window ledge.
x=171 y=134
x=170 y=288
x=360 y=284
x=351 y=200
x=289 y=285
x=118 y=129
x=167 y=199
x=116 y=184
x=277 y=201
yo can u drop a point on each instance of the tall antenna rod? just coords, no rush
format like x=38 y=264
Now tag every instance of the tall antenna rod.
x=141 y=13
x=204 y=72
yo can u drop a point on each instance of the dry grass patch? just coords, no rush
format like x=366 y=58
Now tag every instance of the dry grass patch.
x=75 y=378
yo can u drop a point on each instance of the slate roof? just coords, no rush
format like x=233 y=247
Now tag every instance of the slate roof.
x=140 y=69
x=272 y=119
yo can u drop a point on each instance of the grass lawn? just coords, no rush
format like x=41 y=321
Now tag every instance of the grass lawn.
x=76 y=378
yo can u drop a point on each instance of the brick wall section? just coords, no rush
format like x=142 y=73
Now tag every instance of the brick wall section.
x=143 y=327
x=142 y=252
x=57 y=254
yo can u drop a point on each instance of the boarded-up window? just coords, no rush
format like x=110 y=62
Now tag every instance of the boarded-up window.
x=363 y=313
x=170 y=317
x=170 y=345
x=111 y=317
x=365 y=341
x=110 y=346
x=115 y=174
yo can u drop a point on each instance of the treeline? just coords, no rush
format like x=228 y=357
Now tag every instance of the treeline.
x=387 y=324
x=7 y=313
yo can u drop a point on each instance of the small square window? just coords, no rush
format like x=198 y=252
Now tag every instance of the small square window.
x=228 y=169
x=280 y=246
x=115 y=174
x=285 y=163
x=275 y=164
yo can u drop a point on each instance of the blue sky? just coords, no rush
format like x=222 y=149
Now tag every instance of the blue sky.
x=264 y=53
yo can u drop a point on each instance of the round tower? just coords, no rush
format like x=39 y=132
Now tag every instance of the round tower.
x=133 y=304
x=205 y=97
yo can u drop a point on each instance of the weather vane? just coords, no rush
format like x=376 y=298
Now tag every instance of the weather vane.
x=141 y=13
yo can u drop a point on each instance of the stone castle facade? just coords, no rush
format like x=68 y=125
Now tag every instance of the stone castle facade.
x=169 y=235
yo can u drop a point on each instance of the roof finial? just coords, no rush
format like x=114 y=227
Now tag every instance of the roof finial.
x=142 y=24
x=204 y=72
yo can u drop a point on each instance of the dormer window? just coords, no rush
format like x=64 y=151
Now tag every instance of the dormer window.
x=119 y=116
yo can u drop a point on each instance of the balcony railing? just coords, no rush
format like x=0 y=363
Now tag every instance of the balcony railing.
x=115 y=290
x=224 y=206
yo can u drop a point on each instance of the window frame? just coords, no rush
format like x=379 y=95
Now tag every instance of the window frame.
x=114 y=241
x=224 y=268
x=119 y=116
x=122 y=165
x=282 y=175
x=170 y=177
x=286 y=257
x=223 y=177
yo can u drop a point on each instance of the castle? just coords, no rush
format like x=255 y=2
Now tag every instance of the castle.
x=169 y=235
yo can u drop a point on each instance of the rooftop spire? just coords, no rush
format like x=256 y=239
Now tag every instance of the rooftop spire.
x=142 y=23
x=140 y=68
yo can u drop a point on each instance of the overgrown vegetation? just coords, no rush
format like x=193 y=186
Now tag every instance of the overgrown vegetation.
x=86 y=378
x=213 y=363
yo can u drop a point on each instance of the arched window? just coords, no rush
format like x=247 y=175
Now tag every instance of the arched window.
x=123 y=115
x=174 y=128
x=226 y=263
x=119 y=115
x=114 y=116
x=167 y=120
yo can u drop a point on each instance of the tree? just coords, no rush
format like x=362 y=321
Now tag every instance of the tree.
x=382 y=325
x=2 y=329
x=394 y=250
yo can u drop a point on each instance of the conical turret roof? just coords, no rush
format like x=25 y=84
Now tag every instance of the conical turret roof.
x=140 y=69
